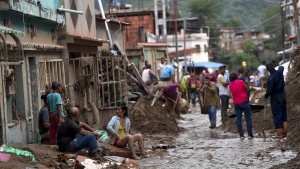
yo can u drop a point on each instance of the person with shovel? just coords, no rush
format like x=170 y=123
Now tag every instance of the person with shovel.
x=275 y=89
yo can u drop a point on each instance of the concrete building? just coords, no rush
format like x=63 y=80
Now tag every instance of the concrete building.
x=30 y=60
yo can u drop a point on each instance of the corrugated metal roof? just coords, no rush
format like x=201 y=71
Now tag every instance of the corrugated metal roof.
x=153 y=44
x=4 y=29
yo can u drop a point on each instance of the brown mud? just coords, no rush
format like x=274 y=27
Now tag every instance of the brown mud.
x=152 y=120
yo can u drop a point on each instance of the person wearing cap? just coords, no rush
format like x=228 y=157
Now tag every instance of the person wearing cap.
x=239 y=90
x=191 y=87
x=44 y=123
x=168 y=73
x=211 y=100
x=73 y=136
x=244 y=65
x=275 y=89
x=223 y=92
x=161 y=66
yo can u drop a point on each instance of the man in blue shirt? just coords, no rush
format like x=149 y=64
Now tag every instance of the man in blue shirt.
x=168 y=73
x=275 y=89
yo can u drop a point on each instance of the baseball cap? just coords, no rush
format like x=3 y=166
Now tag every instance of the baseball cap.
x=175 y=64
x=244 y=63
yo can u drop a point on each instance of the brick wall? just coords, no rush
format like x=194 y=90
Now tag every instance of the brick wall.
x=132 y=31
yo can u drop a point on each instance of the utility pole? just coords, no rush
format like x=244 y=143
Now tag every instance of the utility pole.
x=164 y=21
x=176 y=40
x=283 y=15
x=156 y=21
x=184 y=45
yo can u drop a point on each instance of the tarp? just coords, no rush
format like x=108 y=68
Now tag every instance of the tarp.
x=286 y=51
x=204 y=64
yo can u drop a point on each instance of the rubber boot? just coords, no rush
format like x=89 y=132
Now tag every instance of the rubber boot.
x=285 y=129
x=279 y=133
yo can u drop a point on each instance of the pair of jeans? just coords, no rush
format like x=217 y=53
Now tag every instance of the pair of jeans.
x=192 y=96
x=224 y=107
x=239 y=109
x=212 y=114
x=80 y=142
x=278 y=105
x=54 y=121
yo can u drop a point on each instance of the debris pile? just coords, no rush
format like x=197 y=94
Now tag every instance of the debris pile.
x=152 y=120
x=293 y=100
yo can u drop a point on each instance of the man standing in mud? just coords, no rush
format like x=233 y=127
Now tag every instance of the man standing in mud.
x=56 y=110
x=275 y=89
x=223 y=93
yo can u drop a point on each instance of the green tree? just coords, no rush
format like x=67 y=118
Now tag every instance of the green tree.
x=272 y=25
x=208 y=11
x=205 y=9
x=233 y=23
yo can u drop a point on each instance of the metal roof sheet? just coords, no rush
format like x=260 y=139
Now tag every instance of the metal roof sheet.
x=4 y=29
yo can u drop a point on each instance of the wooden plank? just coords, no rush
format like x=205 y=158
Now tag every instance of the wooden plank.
x=139 y=78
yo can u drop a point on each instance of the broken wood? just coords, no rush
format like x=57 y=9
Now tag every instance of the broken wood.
x=139 y=78
x=95 y=112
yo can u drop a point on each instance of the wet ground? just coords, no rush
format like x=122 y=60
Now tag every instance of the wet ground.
x=201 y=147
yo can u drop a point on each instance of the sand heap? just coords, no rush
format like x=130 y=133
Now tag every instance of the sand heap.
x=152 y=120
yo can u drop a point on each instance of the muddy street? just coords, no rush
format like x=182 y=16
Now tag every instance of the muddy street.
x=200 y=147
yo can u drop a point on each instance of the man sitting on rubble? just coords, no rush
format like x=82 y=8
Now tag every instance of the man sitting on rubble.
x=72 y=138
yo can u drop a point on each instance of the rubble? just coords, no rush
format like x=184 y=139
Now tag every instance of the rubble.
x=152 y=120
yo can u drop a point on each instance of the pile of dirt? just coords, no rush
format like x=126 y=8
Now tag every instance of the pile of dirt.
x=152 y=120
x=258 y=121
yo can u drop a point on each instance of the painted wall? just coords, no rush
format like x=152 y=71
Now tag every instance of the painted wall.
x=47 y=9
x=81 y=25
x=22 y=23
x=192 y=41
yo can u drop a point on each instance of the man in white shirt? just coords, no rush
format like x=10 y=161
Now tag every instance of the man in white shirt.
x=161 y=66
x=262 y=69
x=223 y=93
x=148 y=75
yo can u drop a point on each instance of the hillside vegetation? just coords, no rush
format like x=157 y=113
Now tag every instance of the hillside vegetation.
x=249 y=12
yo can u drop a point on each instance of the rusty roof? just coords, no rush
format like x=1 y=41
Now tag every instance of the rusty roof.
x=89 y=38
x=35 y=46
x=134 y=11
x=114 y=21
x=153 y=44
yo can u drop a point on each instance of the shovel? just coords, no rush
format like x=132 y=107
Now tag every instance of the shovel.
x=265 y=113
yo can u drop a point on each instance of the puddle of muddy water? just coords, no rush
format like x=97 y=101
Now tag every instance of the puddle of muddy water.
x=201 y=147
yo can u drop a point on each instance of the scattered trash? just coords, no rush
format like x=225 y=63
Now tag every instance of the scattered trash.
x=4 y=157
x=103 y=136
x=163 y=146
x=5 y=148
x=114 y=158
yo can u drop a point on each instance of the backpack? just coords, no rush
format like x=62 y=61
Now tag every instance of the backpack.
x=193 y=83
